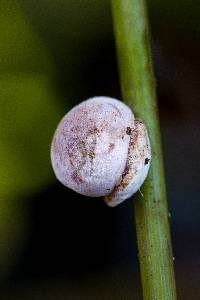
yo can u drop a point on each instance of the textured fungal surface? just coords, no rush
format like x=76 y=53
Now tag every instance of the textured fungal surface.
x=137 y=165
x=90 y=146
x=100 y=149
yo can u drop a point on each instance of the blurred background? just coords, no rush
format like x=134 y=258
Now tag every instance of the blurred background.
x=54 y=243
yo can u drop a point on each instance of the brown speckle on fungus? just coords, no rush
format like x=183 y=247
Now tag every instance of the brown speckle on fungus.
x=77 y=178
x=111 y=147
x=128 y=130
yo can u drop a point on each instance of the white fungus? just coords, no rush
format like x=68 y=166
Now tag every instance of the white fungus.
x=100 y=149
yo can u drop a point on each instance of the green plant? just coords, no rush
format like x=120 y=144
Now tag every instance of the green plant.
x=138 y=90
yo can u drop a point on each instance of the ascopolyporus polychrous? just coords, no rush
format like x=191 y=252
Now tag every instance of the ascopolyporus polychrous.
x=100 y=149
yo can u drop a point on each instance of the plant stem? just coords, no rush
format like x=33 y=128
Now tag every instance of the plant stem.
x=138 y=91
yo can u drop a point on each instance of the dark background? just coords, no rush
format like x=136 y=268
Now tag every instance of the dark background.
x=54 y=243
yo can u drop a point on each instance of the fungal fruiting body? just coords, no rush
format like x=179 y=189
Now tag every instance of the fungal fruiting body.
x=100 y=149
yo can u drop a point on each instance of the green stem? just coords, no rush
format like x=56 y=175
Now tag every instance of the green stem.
x=138 y=91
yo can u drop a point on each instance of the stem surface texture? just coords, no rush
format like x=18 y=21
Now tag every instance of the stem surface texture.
x=138 y=91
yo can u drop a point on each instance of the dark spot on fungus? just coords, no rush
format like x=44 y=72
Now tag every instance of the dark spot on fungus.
x=111 y=147
x=77 y=178
x=146 y=161
x=128 y=130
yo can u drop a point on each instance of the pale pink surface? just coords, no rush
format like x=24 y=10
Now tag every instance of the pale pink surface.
x=137 y=165
x=89 y=149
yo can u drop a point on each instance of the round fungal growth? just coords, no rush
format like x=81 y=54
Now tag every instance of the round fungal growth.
x=100 y=149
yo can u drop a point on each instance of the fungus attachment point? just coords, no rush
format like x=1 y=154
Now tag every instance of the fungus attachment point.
x=100 y=149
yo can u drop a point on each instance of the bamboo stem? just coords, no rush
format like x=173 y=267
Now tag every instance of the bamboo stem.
x=138 y=91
